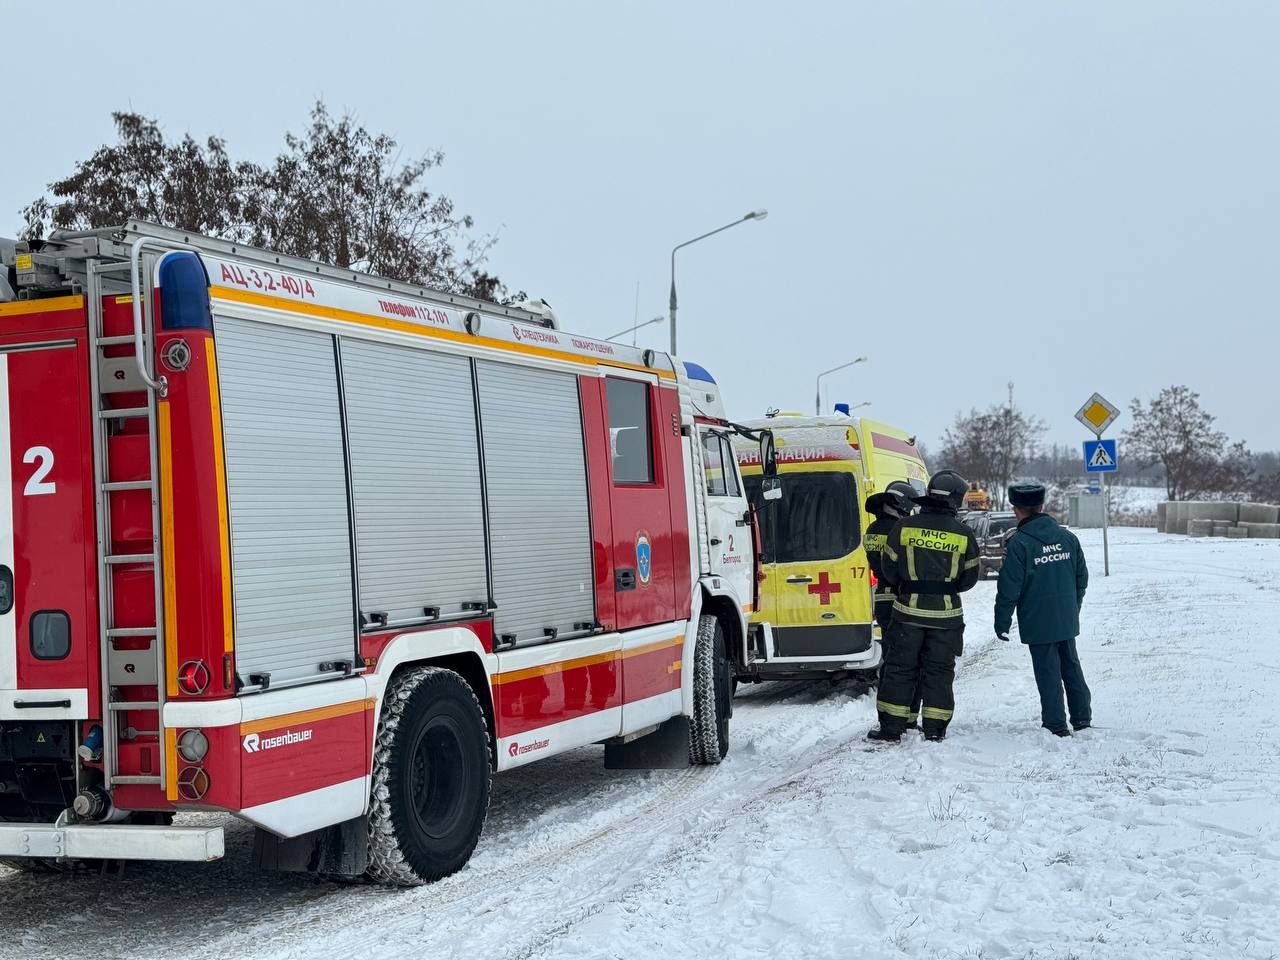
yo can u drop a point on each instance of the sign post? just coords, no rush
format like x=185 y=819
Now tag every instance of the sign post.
x=1100 y=457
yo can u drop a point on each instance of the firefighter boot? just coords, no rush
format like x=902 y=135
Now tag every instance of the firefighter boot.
x=882 y=734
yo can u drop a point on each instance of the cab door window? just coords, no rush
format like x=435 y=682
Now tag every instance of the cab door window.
x=713 y=465
x=730 y=462
x=718 y=465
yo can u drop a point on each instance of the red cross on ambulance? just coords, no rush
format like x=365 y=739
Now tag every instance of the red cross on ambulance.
x=824 y=588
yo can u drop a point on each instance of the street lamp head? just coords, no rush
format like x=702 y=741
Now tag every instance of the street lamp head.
x=756 y=215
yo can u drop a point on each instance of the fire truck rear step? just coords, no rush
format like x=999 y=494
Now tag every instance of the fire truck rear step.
x=130 y=558
x=111 y=842
x=124 y=413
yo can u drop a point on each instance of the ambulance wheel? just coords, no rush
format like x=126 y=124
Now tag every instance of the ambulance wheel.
x=712 y=694
x=431 y=778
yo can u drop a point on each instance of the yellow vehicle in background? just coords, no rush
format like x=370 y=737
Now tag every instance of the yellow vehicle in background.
x=976 y=498
x=814 y=616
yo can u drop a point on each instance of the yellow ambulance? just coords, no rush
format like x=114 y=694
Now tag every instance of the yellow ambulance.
x=815 y=611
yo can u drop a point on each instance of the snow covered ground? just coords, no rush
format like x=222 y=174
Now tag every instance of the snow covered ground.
x=1155 y=835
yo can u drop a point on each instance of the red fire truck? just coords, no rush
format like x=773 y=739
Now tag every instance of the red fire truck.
x=325 y=551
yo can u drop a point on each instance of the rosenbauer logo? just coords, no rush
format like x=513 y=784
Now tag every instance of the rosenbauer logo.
x=254 y=743
x=519 y=749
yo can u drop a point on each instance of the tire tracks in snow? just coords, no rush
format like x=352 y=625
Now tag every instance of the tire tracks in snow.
x=397 y=915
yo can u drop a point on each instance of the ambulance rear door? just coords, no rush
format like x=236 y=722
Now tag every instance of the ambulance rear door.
x=818 y=565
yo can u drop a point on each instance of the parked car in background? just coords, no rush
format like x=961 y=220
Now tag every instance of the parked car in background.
x=993 y=529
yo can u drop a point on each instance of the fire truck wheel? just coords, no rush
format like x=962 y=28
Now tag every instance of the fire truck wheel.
x=431 y=778
x=712 y=694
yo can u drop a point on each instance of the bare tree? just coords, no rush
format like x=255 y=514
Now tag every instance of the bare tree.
x=182 y=184
x=1176 y=431
x=991 y=447
x=337 y=193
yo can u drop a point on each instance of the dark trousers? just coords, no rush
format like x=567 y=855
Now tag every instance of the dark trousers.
x=884 y=617
x=1057 y=667
x=918 y=675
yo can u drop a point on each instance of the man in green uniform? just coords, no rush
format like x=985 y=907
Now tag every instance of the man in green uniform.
x=1044 y=578
x=929 y=559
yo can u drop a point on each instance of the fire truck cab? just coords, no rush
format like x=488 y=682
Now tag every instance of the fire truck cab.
x=325 y=551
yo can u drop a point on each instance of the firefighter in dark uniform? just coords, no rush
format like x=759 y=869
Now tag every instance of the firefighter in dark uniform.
x=929 y=559
x=1043 y=579
x=888 y=508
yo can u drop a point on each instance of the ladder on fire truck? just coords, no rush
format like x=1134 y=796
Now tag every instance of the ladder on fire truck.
x=112 y=376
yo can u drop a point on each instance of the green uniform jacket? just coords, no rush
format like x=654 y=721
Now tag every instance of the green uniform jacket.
x=1044 y=578
x=928 y=560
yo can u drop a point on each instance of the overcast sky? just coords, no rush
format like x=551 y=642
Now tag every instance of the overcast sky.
x=1074 y=196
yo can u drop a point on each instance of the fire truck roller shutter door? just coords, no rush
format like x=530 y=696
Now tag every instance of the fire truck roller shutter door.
x=539 y=520
x=287 y=500
x=415 y=475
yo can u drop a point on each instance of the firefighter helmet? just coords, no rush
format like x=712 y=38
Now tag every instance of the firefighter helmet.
x=946 y=487
x=897 y=504
x=902 y=487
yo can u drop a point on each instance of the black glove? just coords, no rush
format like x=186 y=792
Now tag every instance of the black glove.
x=1003 y=636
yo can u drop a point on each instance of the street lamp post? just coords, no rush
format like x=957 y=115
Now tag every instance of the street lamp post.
x=817 y=396
x=647 y=323
x=753 y=215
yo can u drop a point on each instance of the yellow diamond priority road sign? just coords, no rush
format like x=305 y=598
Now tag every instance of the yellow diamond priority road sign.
x=1097 y=413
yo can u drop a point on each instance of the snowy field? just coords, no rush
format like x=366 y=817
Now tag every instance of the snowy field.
x=1154 y=835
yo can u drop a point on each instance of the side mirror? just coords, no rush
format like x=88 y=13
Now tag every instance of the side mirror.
x=771 y=488
x=769 y=459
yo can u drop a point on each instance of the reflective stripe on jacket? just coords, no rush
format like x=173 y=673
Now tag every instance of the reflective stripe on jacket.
x=873 y=543
x=928 y=561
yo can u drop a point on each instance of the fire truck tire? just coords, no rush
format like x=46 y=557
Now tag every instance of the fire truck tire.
x=431 y=778
x=712 y=694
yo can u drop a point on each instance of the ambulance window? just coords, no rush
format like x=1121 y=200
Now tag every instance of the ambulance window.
x=713 y=465
x=50 y=635
x=629 y=431
x=818 y=518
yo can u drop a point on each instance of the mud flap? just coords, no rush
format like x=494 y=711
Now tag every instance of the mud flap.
x=340 y=850
x=667 y=748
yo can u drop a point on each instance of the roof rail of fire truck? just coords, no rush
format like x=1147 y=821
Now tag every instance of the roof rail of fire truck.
x=64 y=245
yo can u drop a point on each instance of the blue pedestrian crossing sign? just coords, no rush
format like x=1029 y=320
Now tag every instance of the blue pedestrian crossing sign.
x=1100 y=456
